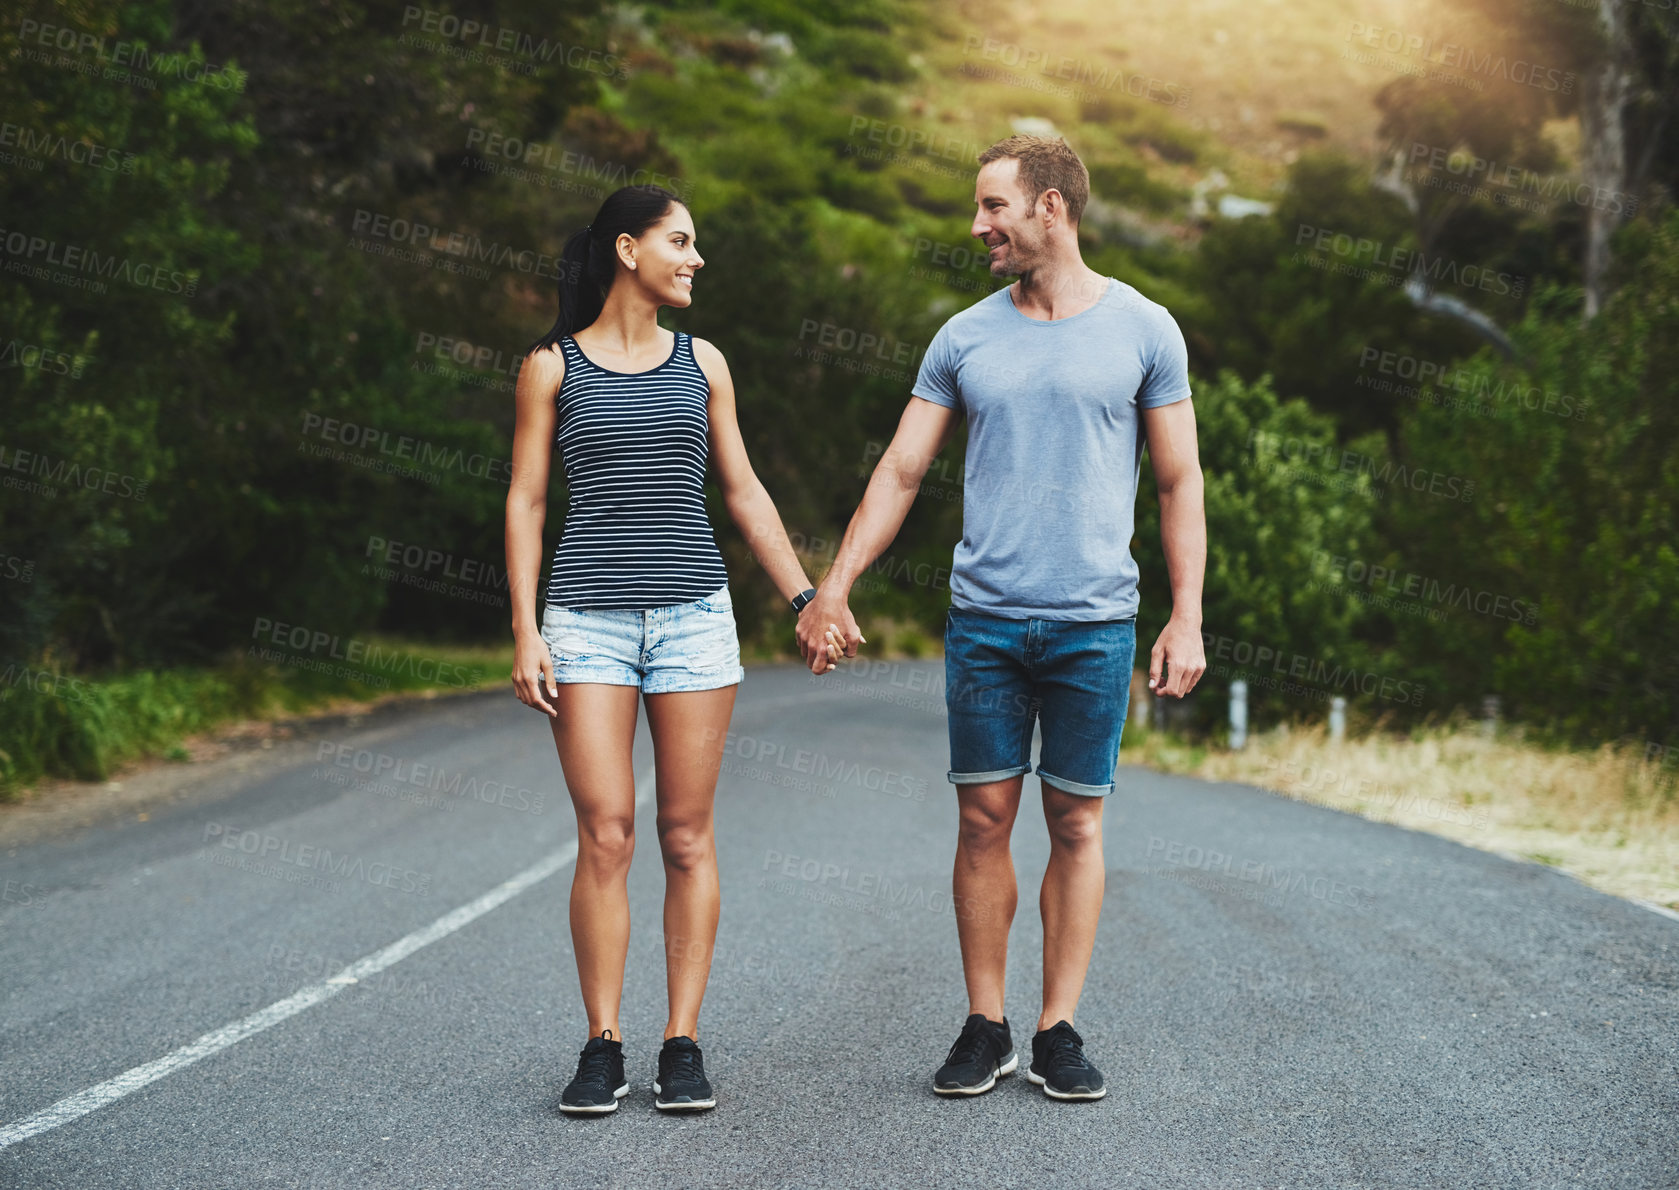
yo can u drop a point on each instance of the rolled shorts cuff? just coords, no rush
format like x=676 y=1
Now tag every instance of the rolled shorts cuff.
x=1074 y=786
x=956 y=778
x=670 y=681
x=611 y=675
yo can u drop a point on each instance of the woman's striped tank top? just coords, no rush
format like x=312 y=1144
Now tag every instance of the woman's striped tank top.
x=634 y=448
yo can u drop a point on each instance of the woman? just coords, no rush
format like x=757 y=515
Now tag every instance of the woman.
x=637 y=596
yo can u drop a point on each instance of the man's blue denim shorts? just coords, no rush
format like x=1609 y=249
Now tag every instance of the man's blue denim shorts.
x=1002 y=674
x=688 y=646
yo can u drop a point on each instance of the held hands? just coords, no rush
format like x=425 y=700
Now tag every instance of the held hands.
x=1177 y=661
x=827 y=632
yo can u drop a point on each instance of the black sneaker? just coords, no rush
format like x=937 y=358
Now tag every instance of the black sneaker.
x=1060 y=1067
x=681 y=1085
x=600 y=1081
x=983 y=1053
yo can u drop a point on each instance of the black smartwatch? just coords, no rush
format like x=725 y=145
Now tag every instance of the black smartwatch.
x=802 y=598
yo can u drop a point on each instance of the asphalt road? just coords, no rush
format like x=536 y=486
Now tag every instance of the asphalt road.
x=1281 y=995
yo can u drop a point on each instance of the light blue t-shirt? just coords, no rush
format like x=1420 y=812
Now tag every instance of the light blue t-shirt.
x=1049 y=484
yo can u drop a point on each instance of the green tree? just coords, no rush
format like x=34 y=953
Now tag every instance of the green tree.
x=1279 y=512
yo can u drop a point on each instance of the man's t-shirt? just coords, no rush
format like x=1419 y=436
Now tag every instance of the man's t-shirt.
x=1049 y=486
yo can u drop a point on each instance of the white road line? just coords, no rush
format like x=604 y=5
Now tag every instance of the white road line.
x=126 y=1083
x=1655 y=908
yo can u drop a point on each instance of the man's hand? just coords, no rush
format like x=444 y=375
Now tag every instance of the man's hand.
x=1180 y=654
x=827 y=608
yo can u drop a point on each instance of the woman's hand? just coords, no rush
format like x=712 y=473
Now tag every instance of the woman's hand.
x=822 y=662
x=533 y=669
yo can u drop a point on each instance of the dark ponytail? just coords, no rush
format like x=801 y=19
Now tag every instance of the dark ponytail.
x=590 y=260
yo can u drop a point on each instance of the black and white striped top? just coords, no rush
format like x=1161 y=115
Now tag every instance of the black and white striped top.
x=634 y=448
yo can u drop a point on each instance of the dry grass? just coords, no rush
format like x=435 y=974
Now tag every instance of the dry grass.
x=1609 y=816
x=1266 y=79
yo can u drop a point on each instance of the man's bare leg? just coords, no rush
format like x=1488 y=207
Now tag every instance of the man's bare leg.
x=984 y=888
x=1071 y=898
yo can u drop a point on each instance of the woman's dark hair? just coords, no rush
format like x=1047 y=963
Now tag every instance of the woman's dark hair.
x=589 y=261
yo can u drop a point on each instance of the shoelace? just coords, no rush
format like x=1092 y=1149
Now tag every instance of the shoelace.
x=970 y=1045
x=683 y=1065
x=596 y=1063
x=1065 y=1049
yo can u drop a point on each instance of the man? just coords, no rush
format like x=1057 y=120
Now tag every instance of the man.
x=1063 y=377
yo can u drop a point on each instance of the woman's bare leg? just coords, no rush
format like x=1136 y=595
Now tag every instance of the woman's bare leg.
x=595 y=735
x=688 y=728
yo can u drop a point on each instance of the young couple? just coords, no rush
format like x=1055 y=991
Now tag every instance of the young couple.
x=1063 y=377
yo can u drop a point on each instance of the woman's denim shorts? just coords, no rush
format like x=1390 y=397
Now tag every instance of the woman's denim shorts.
x=689 y=646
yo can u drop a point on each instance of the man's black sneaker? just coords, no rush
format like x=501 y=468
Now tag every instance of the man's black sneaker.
x=1060 y=1067
x=983 y=1053
x=681 y=1085
x=600 y=1081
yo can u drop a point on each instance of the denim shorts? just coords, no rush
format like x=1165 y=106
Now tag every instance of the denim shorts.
x=1074 y=676
x=689 y=646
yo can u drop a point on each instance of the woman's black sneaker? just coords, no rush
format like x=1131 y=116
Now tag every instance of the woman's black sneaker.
x=681 y=1085
x=983 y=1053
x=600 y=1081
x=1060 y=1067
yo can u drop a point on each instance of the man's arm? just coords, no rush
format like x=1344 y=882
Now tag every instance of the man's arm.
x=1172 y=450
x=923 y=431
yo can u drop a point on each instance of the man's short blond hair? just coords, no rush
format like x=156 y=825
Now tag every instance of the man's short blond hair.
x=1046 y=163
